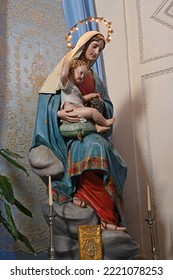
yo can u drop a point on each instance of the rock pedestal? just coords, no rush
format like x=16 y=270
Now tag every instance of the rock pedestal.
x=116 y=245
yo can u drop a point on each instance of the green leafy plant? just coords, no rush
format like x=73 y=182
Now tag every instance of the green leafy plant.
x=7 y=199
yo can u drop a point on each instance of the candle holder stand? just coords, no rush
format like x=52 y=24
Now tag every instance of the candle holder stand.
x=51 y=252
x=150 y=222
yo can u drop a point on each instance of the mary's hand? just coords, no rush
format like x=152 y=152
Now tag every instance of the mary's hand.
x=68 y=115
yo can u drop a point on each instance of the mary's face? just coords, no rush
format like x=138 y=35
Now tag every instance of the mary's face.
x=94 y=49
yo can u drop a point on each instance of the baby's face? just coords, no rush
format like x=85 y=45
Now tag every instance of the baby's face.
x=79 y=74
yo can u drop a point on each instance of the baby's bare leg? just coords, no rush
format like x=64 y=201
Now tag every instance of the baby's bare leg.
x=92 y=113
x=69 y=106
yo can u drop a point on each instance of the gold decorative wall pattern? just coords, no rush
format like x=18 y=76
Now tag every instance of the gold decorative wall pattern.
x=32 y=41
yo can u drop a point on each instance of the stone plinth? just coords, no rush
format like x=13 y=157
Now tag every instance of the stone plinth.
x=116 y=245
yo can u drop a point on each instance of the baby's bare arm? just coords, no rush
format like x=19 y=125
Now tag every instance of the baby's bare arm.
x=65 y=72
x=90 y=96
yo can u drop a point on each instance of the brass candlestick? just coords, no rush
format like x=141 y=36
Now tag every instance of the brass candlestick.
x=150 y=222
x=51 y=253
